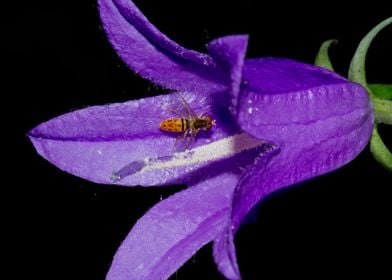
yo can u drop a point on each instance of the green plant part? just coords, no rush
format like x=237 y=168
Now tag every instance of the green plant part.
x=380 y=94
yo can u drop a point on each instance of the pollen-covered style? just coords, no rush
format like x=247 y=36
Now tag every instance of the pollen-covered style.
x=287 y=123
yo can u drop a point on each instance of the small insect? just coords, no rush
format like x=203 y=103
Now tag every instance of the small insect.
x=190 y=123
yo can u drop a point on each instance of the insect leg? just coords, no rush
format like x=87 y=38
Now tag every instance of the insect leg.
x=193 y=133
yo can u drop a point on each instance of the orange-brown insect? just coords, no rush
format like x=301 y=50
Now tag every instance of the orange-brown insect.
x=190 y=125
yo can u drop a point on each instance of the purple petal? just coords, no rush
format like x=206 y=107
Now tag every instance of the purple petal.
x=319 y=120
x=173 y=230
x=229 y=53
x=154 y=56
x=224 y=248
x=302 y=108
x=225 y=255
x=315 y=149
x=268 y=76
x=122 y=143
x=95 y=142
x=283 y=97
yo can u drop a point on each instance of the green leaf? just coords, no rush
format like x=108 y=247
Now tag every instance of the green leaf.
x=322 y=57
x=382 y=91
x=380 y=152
x=356 y=72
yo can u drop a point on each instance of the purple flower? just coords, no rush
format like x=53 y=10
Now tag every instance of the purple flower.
x=278 y=122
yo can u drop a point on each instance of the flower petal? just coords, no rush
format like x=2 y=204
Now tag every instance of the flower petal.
x=225 y=255
x=289 y=103
x=173 y=230
x=224 y=248
x=229 y=53
x=154 y=56
x=334 y=147
x=269 y=76
x=319 y=127
x=95 y=142
x=122 y=143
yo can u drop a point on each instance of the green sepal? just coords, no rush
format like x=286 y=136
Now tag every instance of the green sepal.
x=383 y=110
x=382 y=107
x=356 y=71
x=380 y=152
x=322 y=57
x=382 y=91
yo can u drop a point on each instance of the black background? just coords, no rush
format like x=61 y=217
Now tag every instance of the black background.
x=57 y=59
